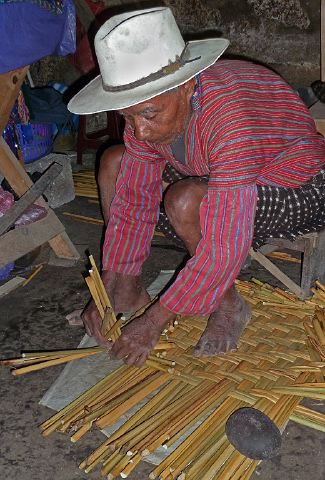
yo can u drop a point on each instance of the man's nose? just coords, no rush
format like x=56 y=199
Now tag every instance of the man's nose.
x=141 y=130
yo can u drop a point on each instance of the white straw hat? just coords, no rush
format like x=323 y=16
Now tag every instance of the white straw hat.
x=142 y=54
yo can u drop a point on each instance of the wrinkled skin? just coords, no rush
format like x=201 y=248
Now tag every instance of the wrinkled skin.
x=141 y=335
x=161 y=120
x=224 y=326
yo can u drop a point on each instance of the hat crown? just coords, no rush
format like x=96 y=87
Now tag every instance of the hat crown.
x=133 y=45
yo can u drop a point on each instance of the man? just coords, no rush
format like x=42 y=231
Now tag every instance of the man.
x=249 y=161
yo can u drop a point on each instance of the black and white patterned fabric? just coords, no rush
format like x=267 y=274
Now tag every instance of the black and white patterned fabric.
x=280 y=213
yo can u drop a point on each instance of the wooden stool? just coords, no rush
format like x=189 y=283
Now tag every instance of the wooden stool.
x=312 y=248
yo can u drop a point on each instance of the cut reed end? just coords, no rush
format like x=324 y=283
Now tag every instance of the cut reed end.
x=145 y=452
x=123 y=475
x=83 y=465
x=129 y=453
x=88 y=469
x=152 y=476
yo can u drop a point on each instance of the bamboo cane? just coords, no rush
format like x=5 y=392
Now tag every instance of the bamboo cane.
x=30 y=278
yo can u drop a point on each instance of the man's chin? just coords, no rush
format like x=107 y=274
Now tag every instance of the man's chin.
x=164 y=141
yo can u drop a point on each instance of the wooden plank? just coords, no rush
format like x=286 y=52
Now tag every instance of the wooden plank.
x=11 y=285
x=24 y=239
x=320 y=125
x=20 y=182
x=298 y=245
x=10 y=84
x=63 y=247
x=13 y=171
x=266 y=263
x=29 y=197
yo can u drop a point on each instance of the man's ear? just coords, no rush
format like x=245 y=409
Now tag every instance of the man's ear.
x=188 y=88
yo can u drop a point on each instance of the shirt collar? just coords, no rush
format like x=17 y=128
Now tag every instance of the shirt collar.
x=196 y=97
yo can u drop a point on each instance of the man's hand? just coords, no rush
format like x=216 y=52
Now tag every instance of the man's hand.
x=90 y=316
x=141 y=335
x=93 y=322
x=126 y=294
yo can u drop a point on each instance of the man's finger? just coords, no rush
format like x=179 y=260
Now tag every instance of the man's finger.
x=120 y=350
x=141 y=360
x=74 y=318
x=96 y=332
x=88 y=331
x=131 y=358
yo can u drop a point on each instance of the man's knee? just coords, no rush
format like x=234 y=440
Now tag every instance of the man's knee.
x=183 y=199
x=110 y=162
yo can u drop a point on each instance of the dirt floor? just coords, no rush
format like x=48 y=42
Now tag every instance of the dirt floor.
x=33 y=317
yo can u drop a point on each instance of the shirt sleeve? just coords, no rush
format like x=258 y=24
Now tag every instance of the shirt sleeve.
x=135 y=208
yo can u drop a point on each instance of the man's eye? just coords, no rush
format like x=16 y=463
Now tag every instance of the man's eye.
x=149 y=116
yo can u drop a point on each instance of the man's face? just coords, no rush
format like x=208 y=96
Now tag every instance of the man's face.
x=163 y=118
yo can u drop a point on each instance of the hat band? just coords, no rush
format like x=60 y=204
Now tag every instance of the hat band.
x=162 y=72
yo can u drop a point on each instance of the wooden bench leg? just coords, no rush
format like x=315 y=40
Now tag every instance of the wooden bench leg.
x=313 y=262
x=266 y=263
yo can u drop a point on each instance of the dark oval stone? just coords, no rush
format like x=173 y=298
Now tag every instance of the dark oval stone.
x=253 y=434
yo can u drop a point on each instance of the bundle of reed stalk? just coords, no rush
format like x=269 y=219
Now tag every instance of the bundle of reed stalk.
x=111 y=330
x=85 y=184
x=274 y=368
x=33 y=361
x=286 y=257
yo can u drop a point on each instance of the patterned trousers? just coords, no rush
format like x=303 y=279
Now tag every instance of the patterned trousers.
x=280 y=212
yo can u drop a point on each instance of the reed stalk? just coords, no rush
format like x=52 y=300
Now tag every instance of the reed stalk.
x=46 y=364
x=157 y=381
x=131 y=466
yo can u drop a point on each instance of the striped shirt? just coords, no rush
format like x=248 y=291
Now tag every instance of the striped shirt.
x=248 y=127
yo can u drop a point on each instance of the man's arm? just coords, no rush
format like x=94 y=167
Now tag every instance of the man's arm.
x=132 y=218
x=135 y=208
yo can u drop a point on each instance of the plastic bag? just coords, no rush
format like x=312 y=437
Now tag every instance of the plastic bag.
x=68 y=41
x=29 y=32
x=31 y=215
x=6 y=201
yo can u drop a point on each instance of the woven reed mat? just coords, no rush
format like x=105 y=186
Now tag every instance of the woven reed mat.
x=280 y=360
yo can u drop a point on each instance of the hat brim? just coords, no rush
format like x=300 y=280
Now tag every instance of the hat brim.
x=94 y=99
